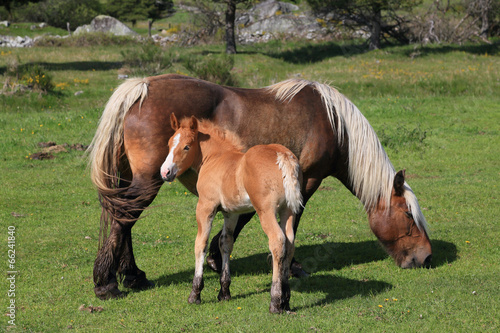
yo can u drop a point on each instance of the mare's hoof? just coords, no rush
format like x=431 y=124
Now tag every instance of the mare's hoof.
x=297 y=271
x=224 y=296
x=138 y=284
x=109 y=291
x=214 y=262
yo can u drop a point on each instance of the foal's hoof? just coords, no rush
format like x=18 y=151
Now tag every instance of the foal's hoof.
x=109 y=291
x=277 y=307
x=194 y=298
x=214 y=262
x=297 y=271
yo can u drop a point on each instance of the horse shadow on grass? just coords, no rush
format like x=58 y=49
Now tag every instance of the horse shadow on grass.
x=317 y=259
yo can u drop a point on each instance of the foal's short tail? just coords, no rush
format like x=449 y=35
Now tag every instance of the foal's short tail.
x=292 y=180
x=106 y=148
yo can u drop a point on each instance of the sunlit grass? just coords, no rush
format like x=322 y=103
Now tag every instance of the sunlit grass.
x=451 y=93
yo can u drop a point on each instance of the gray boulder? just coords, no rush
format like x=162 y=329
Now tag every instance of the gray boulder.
x=103 y=23
x=270 y=8
x=271 y=19
x=283 y=24
x=18 y=41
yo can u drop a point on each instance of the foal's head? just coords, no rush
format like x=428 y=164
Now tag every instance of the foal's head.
x=401 y=227
x=183 y=148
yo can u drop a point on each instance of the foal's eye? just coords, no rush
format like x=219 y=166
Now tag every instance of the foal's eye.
x=186 y=148
x=409 y=215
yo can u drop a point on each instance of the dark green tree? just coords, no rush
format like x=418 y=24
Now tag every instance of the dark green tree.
x=9 y=4
x=60 y=13
x=135 y=10
x=380 y=16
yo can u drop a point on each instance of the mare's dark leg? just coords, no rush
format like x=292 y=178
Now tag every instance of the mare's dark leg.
x=214 y=259
x=226 y=247
x=116 y=257
x=311 y=185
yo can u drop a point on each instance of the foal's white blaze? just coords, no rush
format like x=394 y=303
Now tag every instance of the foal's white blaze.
x=169 y=161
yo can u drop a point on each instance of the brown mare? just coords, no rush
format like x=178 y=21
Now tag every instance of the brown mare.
x=265 y=179
x=327 y=133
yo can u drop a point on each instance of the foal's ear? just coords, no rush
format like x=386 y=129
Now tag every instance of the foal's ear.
x=399 y=181
x=193 y=123
x=174 y=122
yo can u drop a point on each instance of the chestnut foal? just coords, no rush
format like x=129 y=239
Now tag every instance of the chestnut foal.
x=265 y=179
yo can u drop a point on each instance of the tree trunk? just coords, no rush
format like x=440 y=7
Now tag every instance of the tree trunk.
x=230 y=18
x=150 y=25
x=485 y=24
x=375 y=28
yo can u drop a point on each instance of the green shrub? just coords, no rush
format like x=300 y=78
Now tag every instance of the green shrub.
x=213 y=68
x=146 y=60
x=36 y=78
x=29 y=77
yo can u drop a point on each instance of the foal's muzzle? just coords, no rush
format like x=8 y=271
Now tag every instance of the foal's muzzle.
x=169 y=174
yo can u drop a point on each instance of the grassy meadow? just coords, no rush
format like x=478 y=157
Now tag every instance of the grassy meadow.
x=436 y=110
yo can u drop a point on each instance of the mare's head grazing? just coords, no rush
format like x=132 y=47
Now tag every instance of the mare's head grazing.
x=393 y=211
x=183 y=148
x=401 y=227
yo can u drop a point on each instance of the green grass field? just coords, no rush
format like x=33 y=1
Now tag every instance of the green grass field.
x=437 y=110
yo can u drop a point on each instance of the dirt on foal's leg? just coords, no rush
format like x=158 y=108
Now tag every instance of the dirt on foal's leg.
x=280 y=291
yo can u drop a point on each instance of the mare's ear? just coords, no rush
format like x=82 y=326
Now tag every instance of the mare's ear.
x=399 y=181
x=174 y=122
x=193 y=123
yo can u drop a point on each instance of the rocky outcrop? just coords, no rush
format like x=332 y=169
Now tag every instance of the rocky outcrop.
x=103 y=23
x=272 y=19
x=265 y=10
x=16 y=41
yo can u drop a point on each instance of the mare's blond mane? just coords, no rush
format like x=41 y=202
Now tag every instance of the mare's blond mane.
x=371 y=173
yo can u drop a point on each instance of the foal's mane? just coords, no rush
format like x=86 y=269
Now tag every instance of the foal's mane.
x=371 y=173
x=217 y=133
